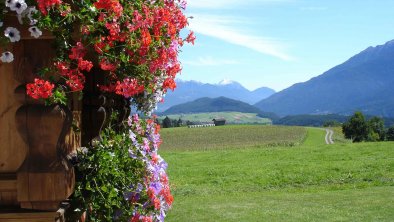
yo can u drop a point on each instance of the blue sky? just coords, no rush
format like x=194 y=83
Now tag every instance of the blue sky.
x=277 y=43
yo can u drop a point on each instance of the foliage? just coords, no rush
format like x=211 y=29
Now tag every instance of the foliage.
x=359 y=129
x=328 y=120
x=168 y=122
x=356 y=128
x=376 y=130
x=242 y=136
x=136 y=44
x=338 y=136
x=390 y=133
x=311 y=120
x=121 y=177
x=179 y=123
x=331 y=123
x=281 y=183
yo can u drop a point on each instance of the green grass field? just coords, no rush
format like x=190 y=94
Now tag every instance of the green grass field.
x=338 y=135
x=231 y=117
x=310 y=182
x=233 y=136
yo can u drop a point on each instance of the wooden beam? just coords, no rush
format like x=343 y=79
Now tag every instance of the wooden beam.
x=30 y=216
x=8 y=185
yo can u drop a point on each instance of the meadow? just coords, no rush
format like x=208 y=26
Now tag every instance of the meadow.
x=231 y=117
x=304 y=180
x=231 y=137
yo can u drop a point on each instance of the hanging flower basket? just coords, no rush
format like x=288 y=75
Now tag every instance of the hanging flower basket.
x=107 y=55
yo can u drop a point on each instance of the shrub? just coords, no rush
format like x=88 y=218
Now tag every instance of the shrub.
x=390 y=133
x=121 y=177
x=356 y=128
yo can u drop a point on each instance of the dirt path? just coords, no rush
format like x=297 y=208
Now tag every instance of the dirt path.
x=329 y=133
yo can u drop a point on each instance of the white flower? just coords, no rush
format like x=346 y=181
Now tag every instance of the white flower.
x=12 y=33
x=35 y=32
x=19 y=6
x=9 y=3
x=7 y=57
x=30 y=12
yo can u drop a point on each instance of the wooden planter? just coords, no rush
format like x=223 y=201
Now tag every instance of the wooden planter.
x=35 y=139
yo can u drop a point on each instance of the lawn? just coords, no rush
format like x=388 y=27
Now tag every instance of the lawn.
x=310 y=182
x=230 y=137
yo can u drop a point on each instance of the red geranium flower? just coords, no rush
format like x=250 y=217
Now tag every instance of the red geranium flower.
x=77 y=52
x=191 y=37
x=110 y=5
x=105 y=65
x=169 y=83
x=128 y=88
x=85 y=65
x=40 y=89
x=45 y=5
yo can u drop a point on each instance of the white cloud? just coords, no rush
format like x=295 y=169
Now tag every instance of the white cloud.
x=209 y=61
x=223 y=28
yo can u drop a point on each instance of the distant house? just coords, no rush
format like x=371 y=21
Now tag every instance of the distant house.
x=219 y=121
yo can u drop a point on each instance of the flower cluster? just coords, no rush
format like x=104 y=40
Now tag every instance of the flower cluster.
x=135 y=43
x=138 y=186
x=12 y=34
x=40 y=89
x=135 y=46
x=156 y=185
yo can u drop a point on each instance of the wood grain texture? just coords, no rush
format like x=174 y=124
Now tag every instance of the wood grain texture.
x=20 y=215
x=46 y=178
x=8 y=185
x=8 y=198
x=34 y=139
x=12 y=21
x=13 y=149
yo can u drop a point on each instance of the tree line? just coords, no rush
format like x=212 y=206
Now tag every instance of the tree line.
x=359 y=129
x=169 y=123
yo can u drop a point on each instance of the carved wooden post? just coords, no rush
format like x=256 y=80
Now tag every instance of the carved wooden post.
x=34 y=138
x=98 y=107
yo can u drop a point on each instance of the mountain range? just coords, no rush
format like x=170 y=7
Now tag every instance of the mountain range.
x=363 y=83
x=220 y=104
x=188 y=91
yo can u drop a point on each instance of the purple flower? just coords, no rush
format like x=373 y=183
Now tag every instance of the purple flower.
x=162 y=215
x=140 y=187
x=132 y=136
x=162 y=163
x=183 y=4
x=135 y=118
x=132 y=154
x=127 y=195
x=146 y=145
x=156 y=186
